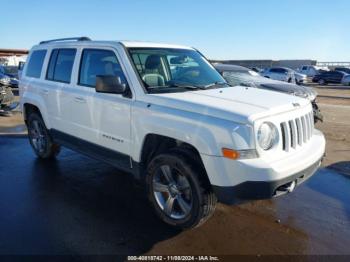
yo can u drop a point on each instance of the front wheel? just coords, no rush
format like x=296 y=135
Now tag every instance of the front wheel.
x=178 y=191
x=39 y=137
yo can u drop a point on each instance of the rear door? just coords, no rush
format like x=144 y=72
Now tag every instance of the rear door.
x=58 y=85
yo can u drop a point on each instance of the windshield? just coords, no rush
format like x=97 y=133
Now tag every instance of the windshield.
x=164 y=69
x=244 y=78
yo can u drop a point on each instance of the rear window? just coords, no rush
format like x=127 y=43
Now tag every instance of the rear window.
x=61 y=65
x=35 y=63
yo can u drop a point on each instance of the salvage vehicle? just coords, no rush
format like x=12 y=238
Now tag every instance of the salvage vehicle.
x=242 y=76
x=329 y=77
x=164 y=114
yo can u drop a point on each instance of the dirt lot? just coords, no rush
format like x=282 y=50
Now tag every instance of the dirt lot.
x=78 y=206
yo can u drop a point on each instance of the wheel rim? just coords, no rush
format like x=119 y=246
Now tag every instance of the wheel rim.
x=37 y=136
x=172 y=192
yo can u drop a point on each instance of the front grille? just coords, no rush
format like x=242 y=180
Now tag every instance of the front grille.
x=297 y=132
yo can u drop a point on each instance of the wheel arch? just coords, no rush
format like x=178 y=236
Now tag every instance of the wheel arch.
x=155 y=144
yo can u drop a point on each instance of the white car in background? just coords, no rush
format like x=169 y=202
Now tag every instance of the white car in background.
x=284 y=74
x=310 y=70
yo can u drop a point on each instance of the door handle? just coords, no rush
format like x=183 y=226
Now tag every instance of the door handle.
x=79 y=99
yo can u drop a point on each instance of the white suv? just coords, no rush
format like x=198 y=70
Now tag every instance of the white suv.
x=164 y=114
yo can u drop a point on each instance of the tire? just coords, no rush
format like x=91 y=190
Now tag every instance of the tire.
x=289 y=80
x=40 y=139
x=321 y=82
x=178 y=192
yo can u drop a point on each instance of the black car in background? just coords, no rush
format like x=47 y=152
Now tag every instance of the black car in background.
x=329 y=77
x=343 y=69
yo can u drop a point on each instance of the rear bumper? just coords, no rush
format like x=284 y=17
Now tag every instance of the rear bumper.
x=254 y=190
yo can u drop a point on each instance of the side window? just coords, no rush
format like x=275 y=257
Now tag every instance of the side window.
x=61 y=65
x=95 y=62
x=35 y=63
x=304 y=68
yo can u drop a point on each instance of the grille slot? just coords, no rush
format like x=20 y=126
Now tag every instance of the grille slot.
x=296 y=131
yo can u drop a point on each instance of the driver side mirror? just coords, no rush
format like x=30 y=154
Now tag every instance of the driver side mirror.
x=110 y=85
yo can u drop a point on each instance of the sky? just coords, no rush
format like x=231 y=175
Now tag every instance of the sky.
x=220 y=29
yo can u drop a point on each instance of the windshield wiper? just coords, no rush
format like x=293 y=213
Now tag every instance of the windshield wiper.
x=216 y=84
x=191 y=87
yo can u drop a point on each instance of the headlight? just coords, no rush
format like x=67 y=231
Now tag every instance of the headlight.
x=267 y=135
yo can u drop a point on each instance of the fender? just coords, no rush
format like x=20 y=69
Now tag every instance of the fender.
x=207 y=134
x=36 y=100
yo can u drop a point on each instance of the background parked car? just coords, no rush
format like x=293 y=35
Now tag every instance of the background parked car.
x=12 y=73
x=284 y=74
x=238 y=75
x=310 y=70
x=332 y=77
x=343 y=69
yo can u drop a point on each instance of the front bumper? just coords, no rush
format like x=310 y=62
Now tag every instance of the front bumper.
x=254 y=190
x=260 y=178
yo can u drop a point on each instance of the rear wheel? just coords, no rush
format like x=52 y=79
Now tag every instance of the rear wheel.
x=39 y=137
x=178 y=192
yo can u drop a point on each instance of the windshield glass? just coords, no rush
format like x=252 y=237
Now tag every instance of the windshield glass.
x=244 y=78
x=170 y=69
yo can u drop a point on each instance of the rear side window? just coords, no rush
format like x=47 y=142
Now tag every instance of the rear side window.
x=35 y=63
x=96 y=62
x=61 y=65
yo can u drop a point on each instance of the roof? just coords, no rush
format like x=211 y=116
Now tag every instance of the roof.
x=128 y=44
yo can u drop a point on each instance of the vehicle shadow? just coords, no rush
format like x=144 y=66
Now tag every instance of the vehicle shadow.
x=94 y=209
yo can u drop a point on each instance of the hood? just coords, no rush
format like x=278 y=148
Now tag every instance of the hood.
x=239 y=104
x=298 y=90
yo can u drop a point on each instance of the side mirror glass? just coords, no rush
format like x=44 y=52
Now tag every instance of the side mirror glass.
x=110 y=84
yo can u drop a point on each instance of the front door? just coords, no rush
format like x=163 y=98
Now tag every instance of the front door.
x=104 y=118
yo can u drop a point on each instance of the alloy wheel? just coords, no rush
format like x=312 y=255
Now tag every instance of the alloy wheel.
x=37 y=136
x=172 y=192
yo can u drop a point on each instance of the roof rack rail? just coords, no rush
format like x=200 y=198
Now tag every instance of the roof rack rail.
x=81 y=38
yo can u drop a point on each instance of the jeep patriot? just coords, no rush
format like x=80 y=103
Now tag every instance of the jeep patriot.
x=163 y=113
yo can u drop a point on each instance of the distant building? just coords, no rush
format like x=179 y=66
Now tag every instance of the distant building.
x=12 y=56
x=294 y=64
